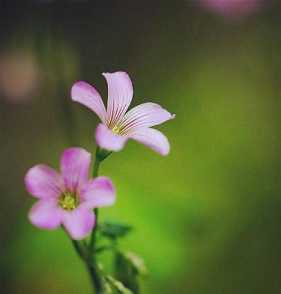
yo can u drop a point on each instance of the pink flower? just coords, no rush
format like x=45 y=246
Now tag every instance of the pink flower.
x=67 y=198
x=232 y=8
x=118 y=125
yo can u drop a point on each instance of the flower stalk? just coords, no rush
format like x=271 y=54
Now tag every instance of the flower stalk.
x=87 y=252
x=100 y=156
x=86 y=255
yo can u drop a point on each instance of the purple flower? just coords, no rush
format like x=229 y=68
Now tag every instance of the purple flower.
x=232 y=8
x=118 y=125
x=67 y=198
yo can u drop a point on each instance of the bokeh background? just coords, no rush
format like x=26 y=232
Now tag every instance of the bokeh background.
x=207 y=217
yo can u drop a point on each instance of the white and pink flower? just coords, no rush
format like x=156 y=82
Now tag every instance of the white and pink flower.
x=68 y=198
x=118 y=125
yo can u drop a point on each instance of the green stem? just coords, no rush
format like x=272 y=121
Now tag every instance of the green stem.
x=78 y=248
x=92 y=265
x=100 y=156
x=87 y=252
x=83 y=252
x=98 y=160
x=95 y=174
x=95 y=277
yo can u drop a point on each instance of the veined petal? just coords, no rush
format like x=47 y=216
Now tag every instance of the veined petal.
x=153 y=139
x=45 y=214
x=42 y=181
x=75 y=164
x=87 y=95
x=98 y=192
x=106 y=139
x=144 y=115
x=78 y=222
x=120 y=94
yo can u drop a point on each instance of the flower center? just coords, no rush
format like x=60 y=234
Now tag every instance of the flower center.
x=116 y=130
x=68 y=200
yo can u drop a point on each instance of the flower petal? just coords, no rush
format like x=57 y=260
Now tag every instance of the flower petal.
x=98 y=192
x=144 y=115
x=45 y=214
x=106 y=139
x=78 y=222
x=153 y=139
x=43 y=182
x=87 y=95
x=120 y=94
x=75 y=164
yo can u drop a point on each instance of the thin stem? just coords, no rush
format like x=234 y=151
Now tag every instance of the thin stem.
x=100 y=156
x=87 y=251
x=95 y=174
x=97 y=163
x=92 y=265
x=77 y=248
x=83 y=253
x=95 y=277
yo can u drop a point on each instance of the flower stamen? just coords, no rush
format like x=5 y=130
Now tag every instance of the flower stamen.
x=68 y=201
x=116 y=130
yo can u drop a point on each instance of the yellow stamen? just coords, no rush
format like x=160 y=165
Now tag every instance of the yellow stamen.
x=116 y=130
x=68 y=201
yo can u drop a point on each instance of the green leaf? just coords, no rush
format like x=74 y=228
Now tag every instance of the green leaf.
x=129 y=267
x=114 y=230
x=107 y=289
x=113 y=284
x=136 y=262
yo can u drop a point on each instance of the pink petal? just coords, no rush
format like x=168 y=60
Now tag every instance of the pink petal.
x=98 y=192
x=43 y=182
x=153 y=139
x=120 y=94
x=45 y=214
x=75 y=164
x=87 y=95
x=78 y=222
x=106 y=139
x=144 y=115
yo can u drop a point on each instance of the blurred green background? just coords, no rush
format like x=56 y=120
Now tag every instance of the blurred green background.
x=207 y=217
